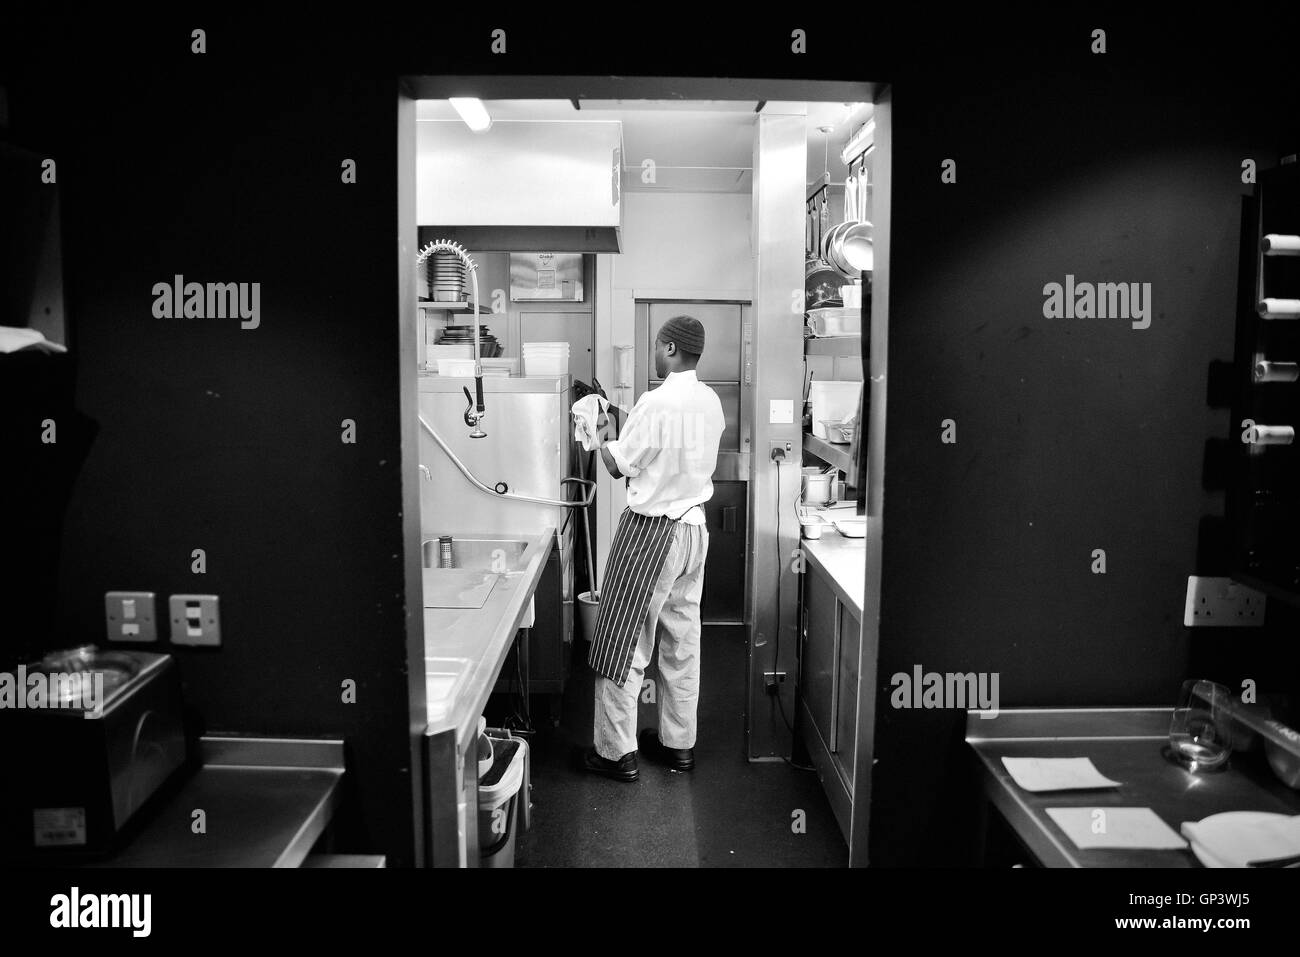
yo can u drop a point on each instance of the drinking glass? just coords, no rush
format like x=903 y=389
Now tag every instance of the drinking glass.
x=1200 y=735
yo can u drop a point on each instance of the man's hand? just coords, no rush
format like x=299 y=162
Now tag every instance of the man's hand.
x=607 y=425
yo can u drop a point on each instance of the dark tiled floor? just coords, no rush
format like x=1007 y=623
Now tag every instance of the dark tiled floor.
x=728 y=812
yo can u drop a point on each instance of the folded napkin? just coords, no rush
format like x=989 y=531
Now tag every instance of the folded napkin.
x=14 y=338
x=1235 y=838
x=586 y=412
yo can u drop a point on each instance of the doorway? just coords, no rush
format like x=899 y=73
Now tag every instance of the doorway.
x=746 y=497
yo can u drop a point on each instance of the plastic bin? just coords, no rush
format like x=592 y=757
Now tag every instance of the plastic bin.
x=500 y=793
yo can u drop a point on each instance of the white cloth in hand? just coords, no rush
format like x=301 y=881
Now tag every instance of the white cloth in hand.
x=586 y=413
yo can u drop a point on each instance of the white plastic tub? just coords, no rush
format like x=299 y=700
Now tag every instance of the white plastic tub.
x=546 y=365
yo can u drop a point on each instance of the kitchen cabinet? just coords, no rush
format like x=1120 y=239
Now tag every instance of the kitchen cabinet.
x=830 y=669
x=724 y=566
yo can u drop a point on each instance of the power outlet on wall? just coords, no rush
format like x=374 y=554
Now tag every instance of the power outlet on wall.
x=196 y=620
x=1222 y=603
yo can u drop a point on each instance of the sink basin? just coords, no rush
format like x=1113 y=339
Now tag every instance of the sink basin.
x=443 y=678
x=502 y=555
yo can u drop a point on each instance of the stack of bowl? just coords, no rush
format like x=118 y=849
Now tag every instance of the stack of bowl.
x=488 y=345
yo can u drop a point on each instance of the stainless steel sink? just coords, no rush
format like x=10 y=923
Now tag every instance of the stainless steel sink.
x=504 y=555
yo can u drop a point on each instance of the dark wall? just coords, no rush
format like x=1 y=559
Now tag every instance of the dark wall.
x=227 y=168
x=1072 y=434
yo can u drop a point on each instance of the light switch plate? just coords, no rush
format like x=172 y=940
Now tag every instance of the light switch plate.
x=196 y=620
x=1222 y=603
x=780 y=412
x=129 y=616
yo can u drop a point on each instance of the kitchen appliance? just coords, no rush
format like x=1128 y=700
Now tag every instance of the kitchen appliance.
x=522 y=186
x=75 y=779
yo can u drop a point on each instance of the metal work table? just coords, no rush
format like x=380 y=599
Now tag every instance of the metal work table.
x=464 y=650
x=843 y=561
x=266 y=801
x=1125 y=745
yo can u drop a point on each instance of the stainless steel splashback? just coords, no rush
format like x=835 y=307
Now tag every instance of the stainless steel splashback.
x=529 y=436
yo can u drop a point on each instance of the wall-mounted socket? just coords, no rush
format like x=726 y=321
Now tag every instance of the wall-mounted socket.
x=780 y=449
x=196 y=620
x=1222 y=603
x=772 y=681
x=130 y=616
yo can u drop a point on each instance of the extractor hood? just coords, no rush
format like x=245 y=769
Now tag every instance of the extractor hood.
x=522 y=186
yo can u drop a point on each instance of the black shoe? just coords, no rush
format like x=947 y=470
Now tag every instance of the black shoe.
x=624 y=769
x=677 y=759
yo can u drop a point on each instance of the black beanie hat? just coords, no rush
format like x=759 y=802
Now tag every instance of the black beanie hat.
x=686 y=331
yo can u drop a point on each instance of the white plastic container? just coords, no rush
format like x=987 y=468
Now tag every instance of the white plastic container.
x=457 y=351
x=546 y=365
x=463 y=368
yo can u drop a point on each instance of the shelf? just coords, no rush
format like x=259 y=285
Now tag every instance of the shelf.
x=833 y=346
x=836 y=455
x=454 y=307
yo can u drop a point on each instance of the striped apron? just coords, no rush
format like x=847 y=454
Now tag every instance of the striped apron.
x=636 y=558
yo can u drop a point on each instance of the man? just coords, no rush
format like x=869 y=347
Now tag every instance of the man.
x=667 y=449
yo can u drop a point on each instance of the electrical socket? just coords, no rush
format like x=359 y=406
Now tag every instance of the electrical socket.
x=772 y=680
x=1222 y=603
x=784 y=446
x=196 y=620
x=129 y=616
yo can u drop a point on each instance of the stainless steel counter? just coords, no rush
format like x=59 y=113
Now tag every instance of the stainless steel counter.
x=844 y=563
x=464 y=650
x=495 y=384
x=1125 y=745
x=266 y=802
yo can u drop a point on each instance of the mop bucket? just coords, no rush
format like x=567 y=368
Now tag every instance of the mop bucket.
x=588 y=612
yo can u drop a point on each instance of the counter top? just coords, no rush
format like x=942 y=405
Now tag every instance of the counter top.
x=844 y=563
x=464 y=648
x=1125 y=745
x=267 y=800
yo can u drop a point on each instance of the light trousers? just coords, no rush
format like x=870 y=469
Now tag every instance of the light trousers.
x=673 y=618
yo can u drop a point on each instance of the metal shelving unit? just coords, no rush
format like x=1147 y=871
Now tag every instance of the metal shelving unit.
x=833 y=346
x=831 y=454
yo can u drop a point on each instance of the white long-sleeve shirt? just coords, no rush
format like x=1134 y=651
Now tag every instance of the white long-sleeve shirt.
x=668 y=448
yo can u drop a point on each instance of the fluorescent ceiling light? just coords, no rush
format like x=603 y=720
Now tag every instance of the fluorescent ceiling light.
x=861 y=141
x=472 y=111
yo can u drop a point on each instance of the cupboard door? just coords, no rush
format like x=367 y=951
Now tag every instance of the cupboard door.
x=819 y=665
x=727 y=515
x=846 y=694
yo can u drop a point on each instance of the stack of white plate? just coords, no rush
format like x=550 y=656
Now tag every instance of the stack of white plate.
x=546 y=358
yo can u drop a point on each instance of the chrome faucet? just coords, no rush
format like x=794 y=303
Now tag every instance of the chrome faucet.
x=476 y=410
